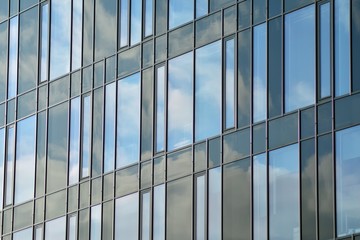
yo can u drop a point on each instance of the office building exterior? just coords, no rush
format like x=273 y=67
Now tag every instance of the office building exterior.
x=179 y=119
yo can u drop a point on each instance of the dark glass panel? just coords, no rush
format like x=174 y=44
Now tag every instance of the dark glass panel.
x=236 y=145
x=259 y=11
x=88 y=26
x=10 y=111
x=161 y=16
x=96 y=191
x=230 y=20
x=40 y=153
x=275 y=7
x=160 y=48
x=244 y=73
x=244 y=14
x=126 y=181
x=42 y=97
x=181 y=40
x=75 y=84
x=84 y=224
x=28 y=41
x=236 y=200
x=98 y=74
x=180 y=12
x=26 y=104
x=324 y=118
x=308 y=190
x=72 y=202
x=179 y=209
x=214 y=152
x=147 y=54
x=325 y=50
x=4 y=10
x=347 y=111
x=126 y=217
x=179 y=164
x=87 y=78
x=159 y=212
x=84 y=195
x=59 y=90
x=23 y=216
x=208 y=29
x=57 y=147
x=146 y=114
x=108 y=187
x=325 y=187
x=283 y=131
x=129 y=61
x=55 y=205
x=159 y=170
x=145 y=175
x=200 y=206
x=258 y=138
x=218 y=4
x=293 y=4
x=110 y=69
x=200 y=157
x=275 y=67
x=307 y=119
x=355 y=38
x=3 y=56
x=107 y=220
x=105 y=37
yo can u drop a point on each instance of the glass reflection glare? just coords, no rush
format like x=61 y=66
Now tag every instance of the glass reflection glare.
x=109 y=131
x=13 y=57
x=230 y=84
x=160 y=109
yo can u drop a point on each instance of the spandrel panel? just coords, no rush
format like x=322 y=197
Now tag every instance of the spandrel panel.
x=181 y=40
x=98 y=74
x=236 y=145
x=126 y=217
x=258 y=138
x=159 y=170
x=214 y=152
x=307 y=118
x=146 y=174
x=26 y=104
x=55 y=205
x=75 y=84
x=324 y=117
x=180 y=12
x=59 y=90
x=179 y=164
x=23 y=216
x=283 y=131
x=72 y=202
x=293 y=4
x=347 y=111
x=84 y=196
x=2 y=114
x=127 y=181
x=10 y=111
x=39 y=210
x=96 y=191
x=147 y=53
x=208 y=29
x=108 y=187
x=3 y=56
x=129 y=61
x=160 y=48
x=230 y=20
x=42 y=97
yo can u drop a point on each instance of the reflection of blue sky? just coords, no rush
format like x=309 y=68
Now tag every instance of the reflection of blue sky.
x=56 y=229
x=148 y=17
x=25 y=160
x=76 y=35
x=74 y=141
x=160 y=109
x=201 y=8
x=128 y=121
x=44 y=42
x=325 y=49
x=300 y=58
x=159 y=212
x=180 y=12
x=109 y=132
x=10 y=164
x=136 y=13
x=95 y=222
x=124 y=22
x=3 y=59
x=126 y=217
x=259 y=73
x=230 y=84
x=13 y=57
x=2 y=151
x=180 y=113
x=208 y=91
x=23 y=234
x=348 y=181
x=60 y=38
x=86 y=137
x=284 y=179
x=214 y=204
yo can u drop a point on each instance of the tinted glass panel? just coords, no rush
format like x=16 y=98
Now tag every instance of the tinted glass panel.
x=355 y=51
x=200 y=156
x=230 y=83
x=4 y=10
x=72 y=228
x=59 y=90
x=77 y=16
x=181 y=40
x=230 y=25
x=129 y=61
x=127 y=181
x=148 y=17
x=44 y=45
x=159 y=170
x=126 y=217
x=324 y=118
x=347 y=111
x=214 y=152
x=214 y=207
x=307 y=123
x=200 y=207
x=244 y=14
x=86 y=136
x=208 y=29
x=236 y=145
x=109 y=132
x=40 y=154
x=3 y=56
x=179 y=164
x=161 y=16
x=124 y=32
x=56 y=229
x=136 y=13
x=159 y=213
x=97 y=132
x=74 y=141
x=217 y=4
x=10 y=165
x=160 y=109
x=325 y=48
x=145 y=216
x=147 y=114
x=2 y=158
x=88 y=24
x=161 y=48
x=258 y=138
x=26 y=104
x=23 y=216
x=107 y=220
x=84 y=224
x=55 y=205
x=180 y=12
x=148 y=53
x=283 y=131
x=201 y=8
x=13 y=58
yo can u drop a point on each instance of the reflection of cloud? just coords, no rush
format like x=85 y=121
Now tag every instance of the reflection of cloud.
x=214 y=203
x=13 y=57
x=135 y=22
x=56 y=229
x=3 y=59
x=180 y=12
x=23 y=234
x=126 y=217
x=96 y=222
x=74 y=141
x=77 y=35
x=208 y=29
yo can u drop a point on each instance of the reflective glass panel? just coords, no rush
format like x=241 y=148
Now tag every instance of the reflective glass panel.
x=208 y=29
x=13 y=57
x=230 y=83
x=56 y=229
x=84 y=230
x=145 y=216
x=107 y=220
x=128 y=121
x=136 y=13
x=180 y=12
x=259 y=73
x=3 y=58
x=284 y=208
x=25 y=160
x=214 y=207
x=208 y=72
x=25 y=234
x=181 y=40
x=40 y=154
x=124 y=22
x=97 y=132
x=200 y=208
x=299 y=55
x=126 y=217
x=10 y=165
x=159 y=213
x=325 y=59
x=2 y=157
x=109 y=132
x=180 y=98
x=74 y=140
x=160 y=109
x=86 y=137
x=88 y=31
x=23 y=216
x=347 y=181
x=39 y=233
x=161 y=16
x=201 y=8
x=77 y=16
x=179 y=164
x=148 y=17
x=60 y=38
x=72 y=227
x=147 y=106
x=4 y=10
x=342 y=46
x=95 y=226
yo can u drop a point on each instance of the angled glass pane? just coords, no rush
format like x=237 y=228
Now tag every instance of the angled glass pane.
x=25 y=160
x=180 y=101
x=259 y=73
x=13 y=57
x=95 y=223
x=74 y=140
x=128 y=121
x=3 y=59
x=145 y=216
x=56 y=229
x=76 y=50
x=230 y=83
x=159 y=212
x=60 y=38
x=25 y=234
x=347 y=181
x=44 y=42
x=160 y=109
x=200 y=207
x=214 y=199
x=342 y=46
x=148 y=18
x=86 y=137
x=300 y=58
x=180 y=12
x=10 y=156
x=136 y=13
x=325 y=48
x=126 y=217
x=208 y=72
x=284 y=208
x=109 y=132
x=124 y=23
x=2 y=158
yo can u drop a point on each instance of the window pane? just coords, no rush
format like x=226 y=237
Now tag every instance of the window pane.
x=145 y=216
x=180 y=95
x=84 y=224
x=325 y=50
x=159 y=213
x=60 y=38
x=23 y=216
x=147 y=106
x=86 y=137
x=97 y=132
x=217 y=4
x=284 y=178
x=160 y=109
x=342 y=46
x=180 y=12
x=25 y=234
x=179 y=164
x=148 y=17
x=4 y=10
x=109 y=132
x=126 y=217
x=259 y=73
x=3 y=57
x=40 y=154
x=230 y=84
x=201 y=8
x=95 y=223
x=72 y=228
x=208 y=29
x=77 y=16
x=124 y=22
x=25 y=160
x=74 y=141
x=2 y=158
x=161 y=16
x=347 y=181
x=208 y=72
x=13 y=58
x=181 y=40
x=88 y=31
x=39 y=233
x=299 y=55
x=107 y=220
x=214 y=199
x=259 y=11
x=56 y=229
x=136 y=13
x=10 y=165
x=128 y=121
x=200 y=208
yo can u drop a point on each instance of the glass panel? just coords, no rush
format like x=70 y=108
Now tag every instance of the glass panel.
x=26 y=104
x=181 y=40
x=200 y=207
x=86 y=136
x=284 y=178
x=88 y=31
x=145 y=216
x=146 y=175
x=129 y=61
x=159 y=170
x=259 y=138
x=95 y=223
x=136 y=13
x=10 y=165
x=40 y=154
x=75 y=84
x=87 y=78
x=275 y=7
x=74 y=141
x=105 y=37
x=107 y=220
x=84 y=224
x=72 y=227
x=283 y=131
x=124 y=23
x=25 y=160
x=342 y=46
x=259 y=73
x=14 y=6
x=98 y=74
x=23 y=216
x=355 y=51
x=201 y=8
x=23 y=234
x=109 y=132
x=39 y=210
x=292 y=4
x=148 y=53
x=230 y=84
x=260 y=196
x=148 y=29
x=127 y=181
x=2 y=162
x=347 y=111
x=13 y=58
x=97 y=132
x=179 y=209
x=28 y=42
x=7 y=222
x=236 y=145
x=2 y=114
x=180 y=98
x=180 y=12
x=55 y=205
x=84 y=194
x=57 y=147
x=259 y=11
x=214 y=152
x=347 y=181
x=126 y=217
x=3 y=55
x=298 y=81
x=96 y=191
x=10 y=111
x=159 y=213
x=325 y=59
x=307 y=118
x=200 y=157
x=230 y=20
x=161 y=16
x=60 y=38
x=244 y=16
x=73 y=198
x=39 y=233
x=160 y=109
x=59 y=90
x=179 y=164
x=324 y=118
x=110 y=69
x=208 y=72
x=217 y=4
x=128 y=121
x=4 y=10
x=161 y=48
x=208 y=29
x=77 y=16
x=108 y=184
x=147 y=106
x=44 y=45
x=214 y=199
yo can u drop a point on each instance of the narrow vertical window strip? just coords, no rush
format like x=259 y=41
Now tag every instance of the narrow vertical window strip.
x=13 y=57
x=2 y=157
x=76 y=49
x=145 y=214
x=325 y=60
x=124 y=30
x=44 y=53
x=109 y=132
x=10 y=165
x=160 y=109
x=214 y=199
x=200 y=208
x=148 y=17
x=86 y=137
x=229 y=84
x=74 y=141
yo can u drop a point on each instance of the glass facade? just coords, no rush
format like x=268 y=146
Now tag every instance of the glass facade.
x=179 y=120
